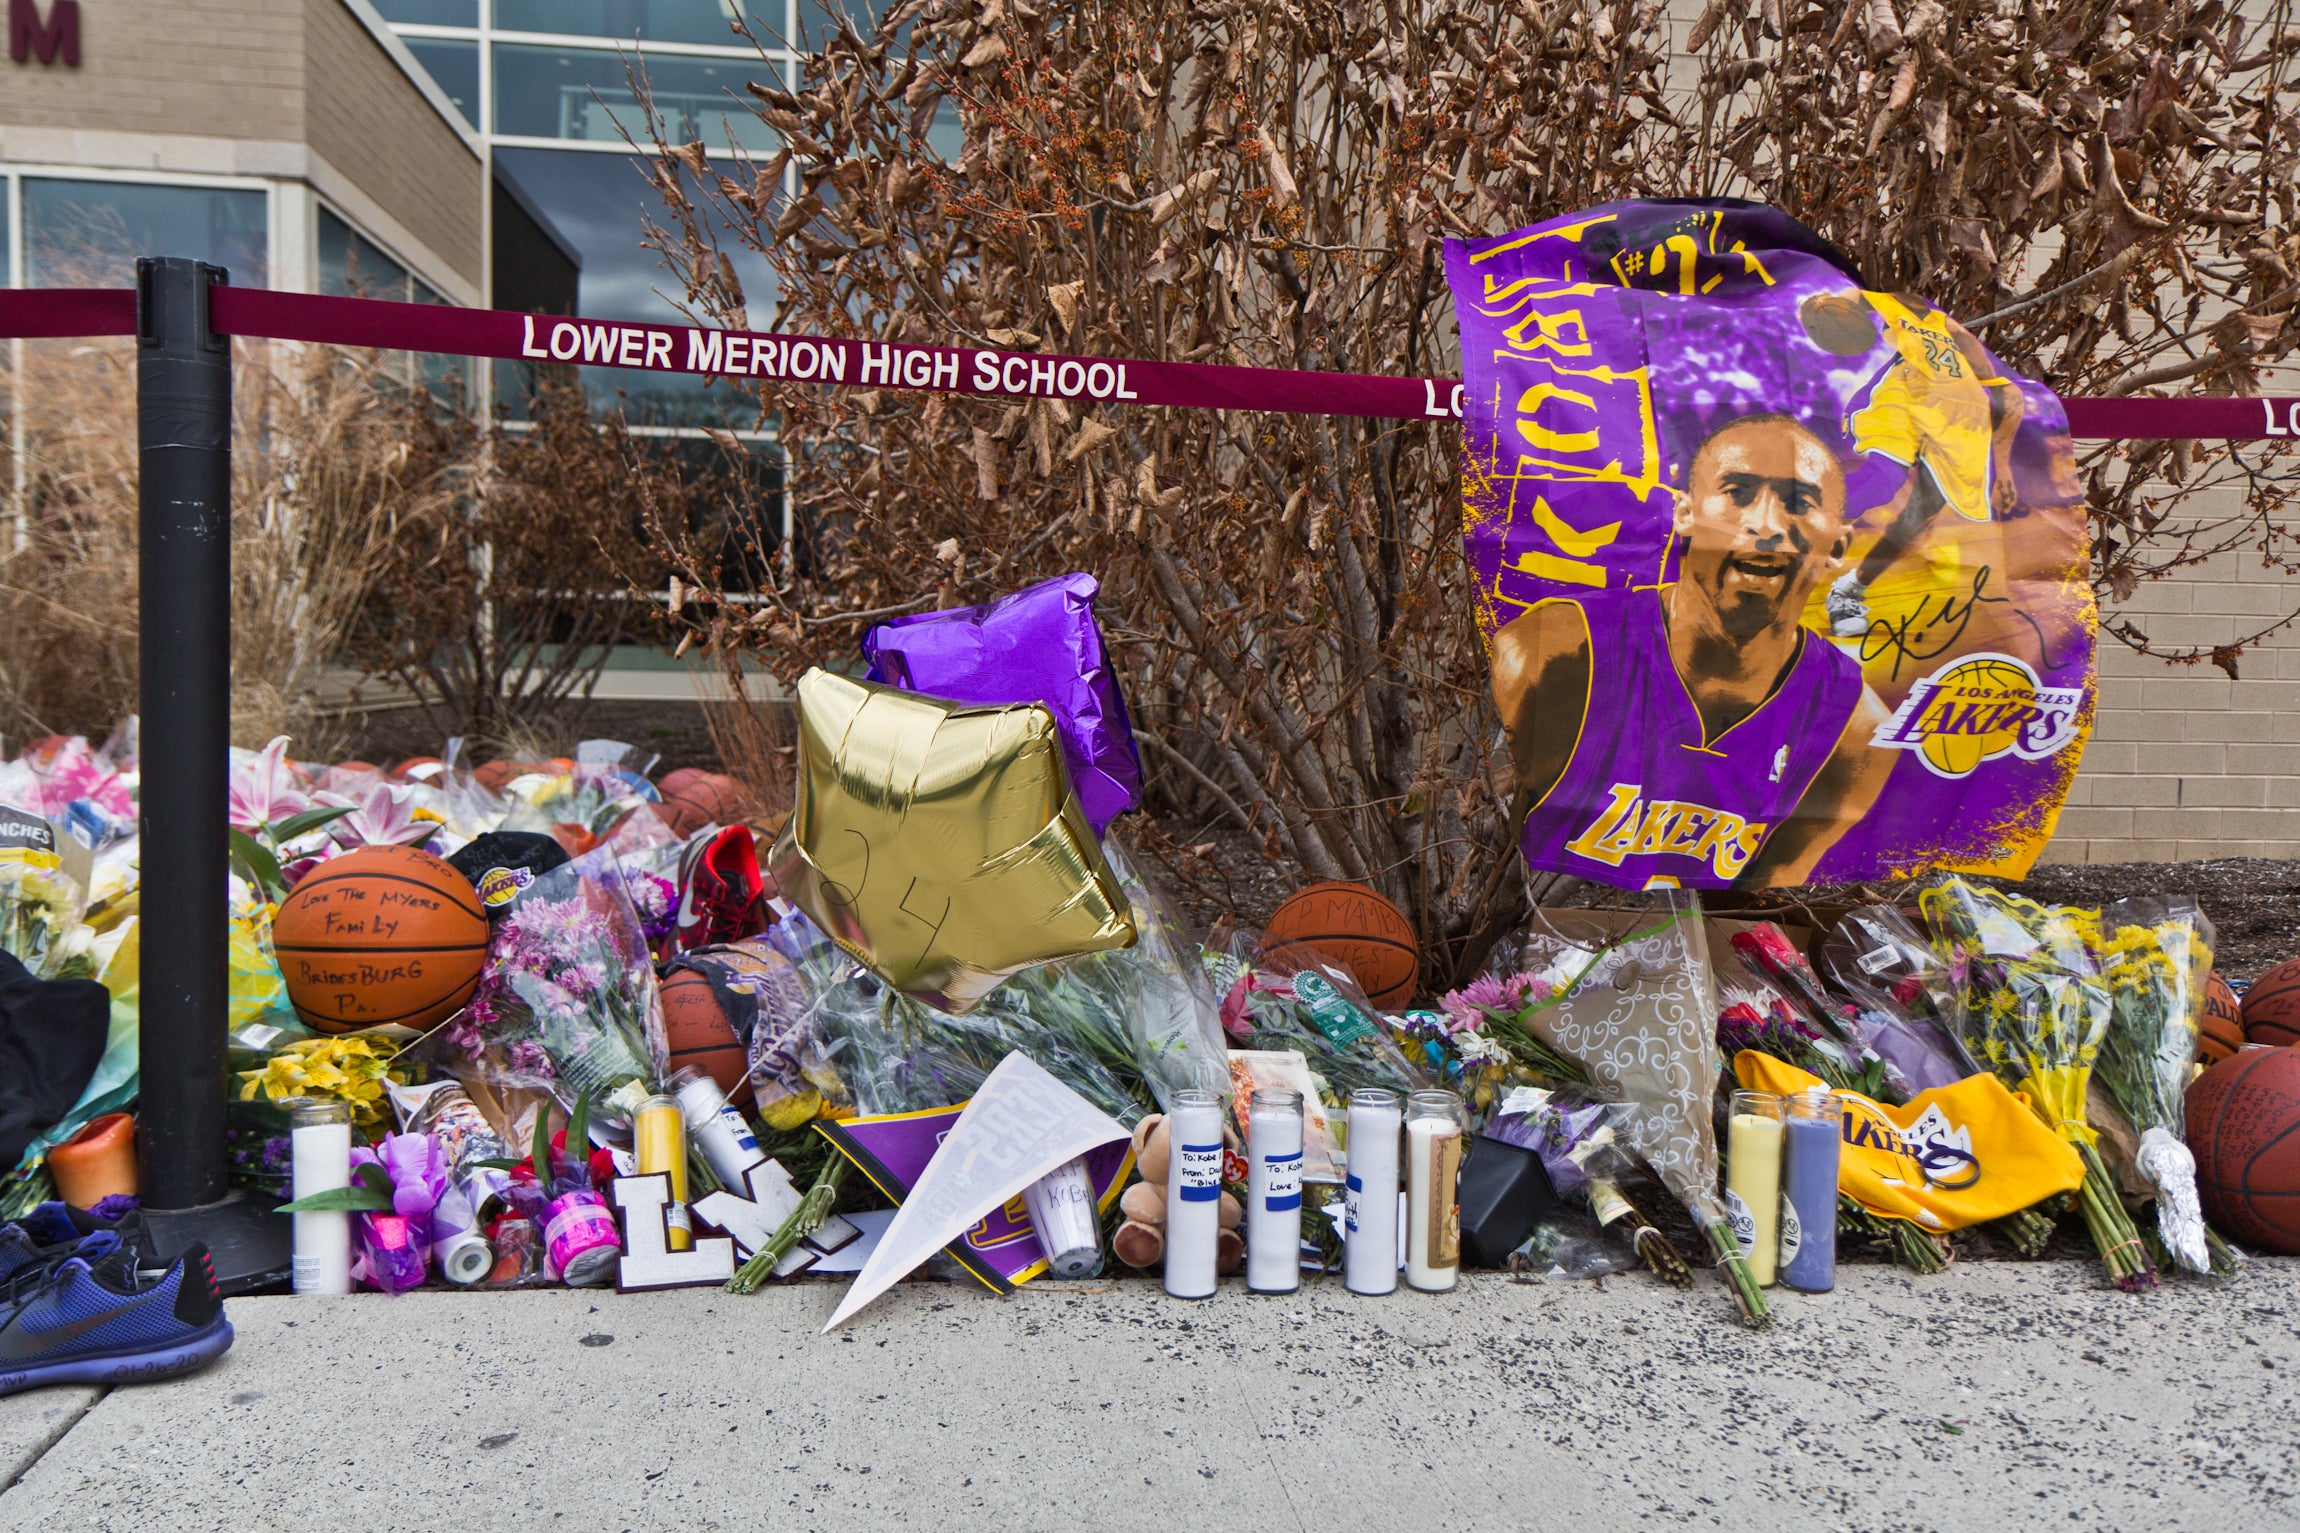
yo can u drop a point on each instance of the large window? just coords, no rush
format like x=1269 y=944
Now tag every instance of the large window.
x=589 y=93
x=351 y=267
x=654 y=21
x=454 y=64
x=430 y=13
x=89 y=233
x=599 y=204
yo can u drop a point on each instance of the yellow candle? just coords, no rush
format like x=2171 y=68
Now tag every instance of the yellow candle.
x=1753 y=1180
x=659 y=1142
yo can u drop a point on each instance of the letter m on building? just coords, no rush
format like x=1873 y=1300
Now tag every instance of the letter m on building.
x=28 y=37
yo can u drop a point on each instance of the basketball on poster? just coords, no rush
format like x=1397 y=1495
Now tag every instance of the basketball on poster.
x=1783 y=577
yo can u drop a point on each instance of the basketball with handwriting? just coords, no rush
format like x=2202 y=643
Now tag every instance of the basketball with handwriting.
x=384 y=934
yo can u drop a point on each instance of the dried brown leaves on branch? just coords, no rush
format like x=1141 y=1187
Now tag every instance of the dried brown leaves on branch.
x=1267 y=184
x=511 y=547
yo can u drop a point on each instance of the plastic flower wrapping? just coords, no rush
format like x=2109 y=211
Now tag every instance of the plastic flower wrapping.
x=2036 y=1008
x=568 y=999
x=1286 y=996
x=1125 y=1028
x=352 y=1068
x=2159 y=956
x=1637 y=1015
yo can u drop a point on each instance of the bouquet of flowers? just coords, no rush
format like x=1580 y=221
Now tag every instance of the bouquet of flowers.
x=1573 y=1133
x=1146 y=1012
x=1489 y=1024
x=350 y=1067
x=569 y=992
x=2159 y=953
x=40 y=907
x=896 y=1053
x=1639 y=1019
x=1904 y=997
x=1833 y=1025
x=1286 y=995
x=2036 y=1007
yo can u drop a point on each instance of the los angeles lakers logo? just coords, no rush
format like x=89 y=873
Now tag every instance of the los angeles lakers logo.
x=1977 y=709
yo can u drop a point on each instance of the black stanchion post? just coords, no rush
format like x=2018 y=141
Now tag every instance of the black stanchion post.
x=184 y=446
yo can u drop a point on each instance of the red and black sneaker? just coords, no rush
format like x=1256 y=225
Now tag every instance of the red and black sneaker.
x=722 y=891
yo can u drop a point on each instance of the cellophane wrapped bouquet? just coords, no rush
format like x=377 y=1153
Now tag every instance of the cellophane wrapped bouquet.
x=2159 y=957
x=2037 y=1005
x=1638 y=1016
x=568 y=1000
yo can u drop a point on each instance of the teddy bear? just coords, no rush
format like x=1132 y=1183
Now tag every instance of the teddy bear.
x=1141 y=1240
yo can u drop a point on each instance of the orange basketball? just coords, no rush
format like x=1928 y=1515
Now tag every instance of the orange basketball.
x=492 y=775
x=381 y=934
x=2272 y=1006
x=1357 y=928
x=693 y=799
x=2244 y=1129
x=2222 y=1033
x=700 y=1035
x=412 y=769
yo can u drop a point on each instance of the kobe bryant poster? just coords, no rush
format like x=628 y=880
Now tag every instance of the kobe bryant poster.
x=1783 y=578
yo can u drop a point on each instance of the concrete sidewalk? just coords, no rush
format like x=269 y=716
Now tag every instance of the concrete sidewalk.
x=1993 y=1397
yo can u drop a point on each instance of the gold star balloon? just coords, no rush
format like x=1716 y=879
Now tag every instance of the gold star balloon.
x=940 y=844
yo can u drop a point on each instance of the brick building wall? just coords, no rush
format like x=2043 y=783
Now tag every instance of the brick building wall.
x=362 y=116
x=2185 y=762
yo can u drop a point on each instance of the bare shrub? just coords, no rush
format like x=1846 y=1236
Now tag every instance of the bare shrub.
x=504 y=592
x=316 y=462
x=1251 y=183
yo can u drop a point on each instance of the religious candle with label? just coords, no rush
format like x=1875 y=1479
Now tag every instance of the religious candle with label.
x=1753 y=1180
x=659 y=1142
x=1816 y=1127
x=319 y=1155
x=1274 y=1191
x=1433 y=1179
x=1370 y=1259
x=1193 y=1193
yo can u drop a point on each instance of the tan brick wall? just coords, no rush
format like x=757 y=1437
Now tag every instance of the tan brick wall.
x=229 y=68
x=367 y=119
x=2184 y=762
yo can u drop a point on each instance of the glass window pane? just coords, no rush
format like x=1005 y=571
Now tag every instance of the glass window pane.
x=657 y=21
x=89 y=233
x=585 y=93
x=455 y=65
x=7 y=278
x=431 y=13
x=598 y=205
x=352 y=267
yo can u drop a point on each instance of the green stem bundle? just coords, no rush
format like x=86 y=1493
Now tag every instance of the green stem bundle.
x=1734 y=1268
x=2113 y=1233
x=804 y=1220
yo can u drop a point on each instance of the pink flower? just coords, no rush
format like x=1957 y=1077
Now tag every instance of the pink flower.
x=263 y=789
x=385 y=817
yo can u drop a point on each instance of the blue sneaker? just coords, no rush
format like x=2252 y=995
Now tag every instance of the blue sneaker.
x=53 y=1228
x=89 y=1316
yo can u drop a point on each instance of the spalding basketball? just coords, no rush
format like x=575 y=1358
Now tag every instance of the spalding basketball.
x=2272 y=1006
x=2222 y=1031
x=381 y=934
x=1357 y=928
x=700 y=1035
x=693 y=799
x=2244 y=1128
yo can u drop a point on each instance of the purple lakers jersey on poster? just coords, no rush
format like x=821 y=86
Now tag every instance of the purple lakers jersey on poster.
x=1645 y=799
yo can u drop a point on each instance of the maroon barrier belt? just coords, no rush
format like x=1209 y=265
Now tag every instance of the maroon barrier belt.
x=982 y=371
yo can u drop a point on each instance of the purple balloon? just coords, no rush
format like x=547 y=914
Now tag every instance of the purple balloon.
x=1036 y=645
